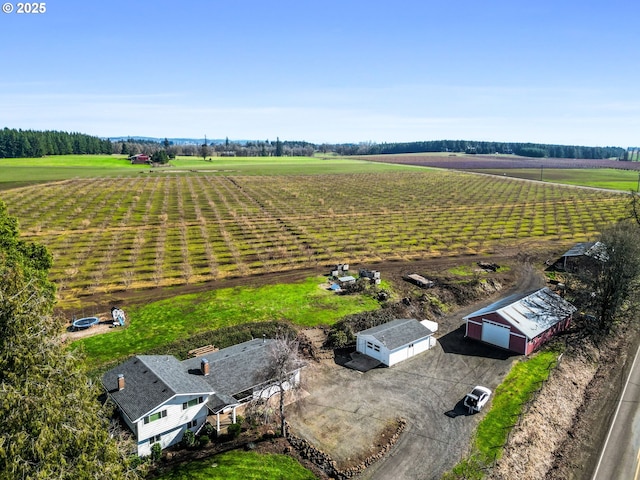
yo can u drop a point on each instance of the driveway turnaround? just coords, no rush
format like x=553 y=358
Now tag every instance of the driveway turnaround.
x=345 y=411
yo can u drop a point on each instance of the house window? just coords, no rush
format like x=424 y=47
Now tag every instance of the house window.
x=155 y=416
x=369 y=345
x=376 y=348
x=192 y=402
x=192 y=424
x=155 y=439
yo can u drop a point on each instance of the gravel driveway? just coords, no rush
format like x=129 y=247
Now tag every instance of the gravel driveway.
x=345 y=411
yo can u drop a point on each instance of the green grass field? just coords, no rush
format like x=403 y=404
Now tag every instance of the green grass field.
x=17 y=172
x=283 y=165
x=238 y=465
x=159 y=323
x=624 y=180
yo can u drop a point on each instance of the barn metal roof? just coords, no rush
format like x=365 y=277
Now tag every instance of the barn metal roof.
x=589 y=249
x=398 y=333
x=532 y=313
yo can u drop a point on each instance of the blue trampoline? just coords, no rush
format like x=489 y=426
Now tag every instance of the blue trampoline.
x=85 y=322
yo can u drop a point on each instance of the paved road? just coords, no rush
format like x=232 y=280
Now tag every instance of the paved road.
x=620 y=456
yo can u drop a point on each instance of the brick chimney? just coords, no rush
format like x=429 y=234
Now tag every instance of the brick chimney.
x=204 y=366
x=120 y=381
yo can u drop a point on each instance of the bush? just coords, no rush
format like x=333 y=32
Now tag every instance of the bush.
x=234 y=430
x=156 y=452
x=337 y=339
x=203 y=440
x=189 y=439
x=209 y=430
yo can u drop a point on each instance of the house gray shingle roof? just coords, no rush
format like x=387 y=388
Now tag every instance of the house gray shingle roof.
x=150 y=380
x=399 y=332
x=236 y=368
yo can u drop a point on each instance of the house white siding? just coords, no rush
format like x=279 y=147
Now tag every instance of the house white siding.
x=408 y=351
x=268 y=391
x=370 y=346
x=172 y=424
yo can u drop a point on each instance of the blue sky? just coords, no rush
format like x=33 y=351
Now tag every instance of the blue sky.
x=562 y=72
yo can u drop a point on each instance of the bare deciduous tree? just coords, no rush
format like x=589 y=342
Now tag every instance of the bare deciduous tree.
x=609 y=284
x=283 y=372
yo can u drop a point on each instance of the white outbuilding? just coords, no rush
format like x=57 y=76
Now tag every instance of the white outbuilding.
x=397 y=340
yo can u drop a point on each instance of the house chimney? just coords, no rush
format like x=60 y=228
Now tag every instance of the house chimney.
x=120 y=381
x=204 y=367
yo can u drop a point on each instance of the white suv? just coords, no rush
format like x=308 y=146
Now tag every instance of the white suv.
x=477 y=398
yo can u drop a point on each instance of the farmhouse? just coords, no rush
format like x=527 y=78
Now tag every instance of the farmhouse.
x=520 y=323
x=397 y=340
x=160 y=397
x=140 y=159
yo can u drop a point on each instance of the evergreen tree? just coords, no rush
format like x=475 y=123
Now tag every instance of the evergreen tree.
x=52 y=426
x=278 y=147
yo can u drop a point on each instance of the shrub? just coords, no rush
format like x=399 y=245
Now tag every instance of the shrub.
x=234 y=430
x=209 y=430
x=337 y=339
x=156 y=452
x=189 y=439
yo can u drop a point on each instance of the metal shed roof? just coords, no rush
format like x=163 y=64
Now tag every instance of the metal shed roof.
x=532 y=313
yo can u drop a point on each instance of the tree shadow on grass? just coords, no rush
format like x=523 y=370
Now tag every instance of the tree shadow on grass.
x=455 y=342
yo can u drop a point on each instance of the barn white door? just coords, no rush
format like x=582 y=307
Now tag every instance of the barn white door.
x=495 y=334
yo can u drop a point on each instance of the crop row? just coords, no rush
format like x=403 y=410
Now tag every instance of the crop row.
x=108 y=234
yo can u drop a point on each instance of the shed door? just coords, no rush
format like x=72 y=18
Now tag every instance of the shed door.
x=495 y=334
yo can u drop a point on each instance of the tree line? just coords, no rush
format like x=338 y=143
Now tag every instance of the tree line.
x=31 y=143
x=226 y=148
x=485 y=148
x=15 y=143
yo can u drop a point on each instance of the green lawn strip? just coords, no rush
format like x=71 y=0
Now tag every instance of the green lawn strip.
x=508 y=401
x=609 y=178
x=163 y=322
x=510 y=396
x=282 y=165
x=239 y=465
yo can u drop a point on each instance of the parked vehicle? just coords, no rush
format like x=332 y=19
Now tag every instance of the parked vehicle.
x=477 y=398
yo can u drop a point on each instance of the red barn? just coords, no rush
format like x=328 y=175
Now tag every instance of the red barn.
x=139 y=159
x=522 y=322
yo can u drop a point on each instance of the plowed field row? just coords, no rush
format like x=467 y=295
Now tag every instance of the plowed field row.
x=111 y=234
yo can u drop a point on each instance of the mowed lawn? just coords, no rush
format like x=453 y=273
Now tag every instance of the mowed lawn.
x=238 y=465
x=159 y=323
x=609 y=178
x=17 y=172
x=284 y=165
